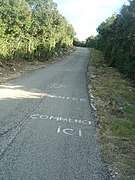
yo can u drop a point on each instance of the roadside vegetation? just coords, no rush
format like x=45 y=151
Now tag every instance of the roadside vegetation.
x=78 y=43
x=113 y=97
x=112 y=90
x=116 y=38
x=32 y=30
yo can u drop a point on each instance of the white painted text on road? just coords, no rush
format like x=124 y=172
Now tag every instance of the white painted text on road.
x=61 y=119
x=69 y=131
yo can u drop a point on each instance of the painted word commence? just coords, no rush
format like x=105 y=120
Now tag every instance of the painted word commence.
x=60 y=119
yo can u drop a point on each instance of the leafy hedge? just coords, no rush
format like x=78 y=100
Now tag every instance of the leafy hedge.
x=116 y=38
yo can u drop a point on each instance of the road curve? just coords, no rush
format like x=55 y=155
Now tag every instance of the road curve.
x=47 y=130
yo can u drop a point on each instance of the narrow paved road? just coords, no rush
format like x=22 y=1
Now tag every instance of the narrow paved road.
x=47 y=131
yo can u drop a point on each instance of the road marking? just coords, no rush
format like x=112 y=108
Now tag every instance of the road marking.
x=67 y=98
x=66 y=131
x=80 y=132
x=60 y=97
x=61 y=119
x=69 y=131
x=58 y=130
x=71 y=98
x=55 y=85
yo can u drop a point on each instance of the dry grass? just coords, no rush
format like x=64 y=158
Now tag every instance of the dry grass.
x=114 y=99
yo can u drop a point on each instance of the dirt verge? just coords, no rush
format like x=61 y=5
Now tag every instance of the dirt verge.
x=112 y=98
x=12 y=70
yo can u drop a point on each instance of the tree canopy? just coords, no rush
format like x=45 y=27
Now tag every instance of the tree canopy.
x=32 y=29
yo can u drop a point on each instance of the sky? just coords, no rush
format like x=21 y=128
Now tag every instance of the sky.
x=87 y=15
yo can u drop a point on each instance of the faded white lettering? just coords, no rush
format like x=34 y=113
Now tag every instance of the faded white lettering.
x=58 y=130
x=34 y=116
x=67 y=131
x=75 y=99
x=70 y=131
x=44 y=117
x=90 y=123
x=80 y=132
x=69 y=98
x=61 y=97
x=56 y=86
x=78 y=121
x=69 y=120
x=83 y=99
x=61 y=119
x=84 y=121
x=54 y=118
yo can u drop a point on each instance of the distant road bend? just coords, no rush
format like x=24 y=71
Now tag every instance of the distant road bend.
x=47 y=130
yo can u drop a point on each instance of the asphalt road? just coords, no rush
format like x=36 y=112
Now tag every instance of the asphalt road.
x=47 y=129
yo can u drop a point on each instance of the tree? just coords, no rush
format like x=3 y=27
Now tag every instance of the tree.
x=91 y=41
x=32 y=29
x=116 y=38
x=15 y=18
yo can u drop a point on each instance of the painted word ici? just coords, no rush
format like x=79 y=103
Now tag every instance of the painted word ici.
x=61 y=119
x=69 y=131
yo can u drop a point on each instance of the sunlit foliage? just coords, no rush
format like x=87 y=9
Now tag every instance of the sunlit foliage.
x=32 y=30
